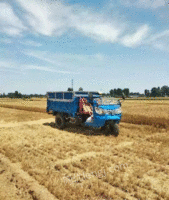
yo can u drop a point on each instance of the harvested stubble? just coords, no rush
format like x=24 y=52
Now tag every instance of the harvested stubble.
x=140 y=119
x=144 y=120
x=34 y=109
x=72 y=164
x=98 y=167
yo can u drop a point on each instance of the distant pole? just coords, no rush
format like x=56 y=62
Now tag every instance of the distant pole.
x=72 y=83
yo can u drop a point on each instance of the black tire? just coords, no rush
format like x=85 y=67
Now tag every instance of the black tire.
x=111 y=128
x=114 y=129
x=106 y=129
x=60 y=121
x=103 y=128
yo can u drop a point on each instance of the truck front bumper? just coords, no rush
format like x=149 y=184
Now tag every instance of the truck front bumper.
x=100 y=120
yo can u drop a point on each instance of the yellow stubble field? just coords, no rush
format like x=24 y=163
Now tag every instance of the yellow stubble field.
x=38 y=161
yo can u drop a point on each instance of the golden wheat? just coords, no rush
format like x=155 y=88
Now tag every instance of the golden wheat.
x=146 y=112
x=82 y=163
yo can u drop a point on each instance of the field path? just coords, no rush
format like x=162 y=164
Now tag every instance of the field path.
x=40 y=121
x=21 y=181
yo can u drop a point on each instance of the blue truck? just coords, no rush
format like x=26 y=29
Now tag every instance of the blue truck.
x=84 y=108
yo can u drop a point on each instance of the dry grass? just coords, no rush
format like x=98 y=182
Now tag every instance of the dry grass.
x=14 y=115
x=26 y=108
x=81 y=163
x=85 y=164
x=154 y=113
x=144 y=120
x=146 y=112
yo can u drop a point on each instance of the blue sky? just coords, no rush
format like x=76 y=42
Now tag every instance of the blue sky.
x=102 y=45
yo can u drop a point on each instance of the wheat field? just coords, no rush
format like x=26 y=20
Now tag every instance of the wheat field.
x=38 y=161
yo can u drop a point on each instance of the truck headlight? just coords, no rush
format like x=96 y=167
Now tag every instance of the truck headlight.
x=113 y=112
x=118 y=111
x=99 y=111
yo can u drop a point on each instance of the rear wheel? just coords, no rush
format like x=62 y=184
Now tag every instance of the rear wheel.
x=60 y=121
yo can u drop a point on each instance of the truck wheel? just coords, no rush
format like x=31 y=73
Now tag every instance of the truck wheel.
x=103 y=128
x=114 y=129
x=60 y=121
x=106 y=129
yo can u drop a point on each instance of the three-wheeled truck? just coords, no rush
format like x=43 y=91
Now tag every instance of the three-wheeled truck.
x=86 y=109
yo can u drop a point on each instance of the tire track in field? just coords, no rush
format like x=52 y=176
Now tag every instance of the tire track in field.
x=24 y=181
x=15 y=124
x=90 y=154
x=33 y=109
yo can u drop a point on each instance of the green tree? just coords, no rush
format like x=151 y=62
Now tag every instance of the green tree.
x=147 y=93
x=112 y=93
x=165 y=90
x=119 y=92
x=126 y=91
x=80 y=89
x=155 y=92
x=70 y=89
x=17 y=94
x=11 y=95
x=115 y=92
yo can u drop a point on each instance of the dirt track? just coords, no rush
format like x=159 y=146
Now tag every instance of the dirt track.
x=40 y=121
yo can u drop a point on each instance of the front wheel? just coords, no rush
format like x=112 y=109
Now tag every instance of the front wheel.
x=111 y=128
x=60 y=121
x=114 y=129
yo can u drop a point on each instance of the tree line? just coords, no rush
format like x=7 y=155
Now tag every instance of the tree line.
x=17 y=94
x=154 y=92
x=157 y=92
x=118 y=92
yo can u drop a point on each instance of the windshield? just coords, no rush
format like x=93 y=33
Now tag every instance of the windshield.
x=106 y=101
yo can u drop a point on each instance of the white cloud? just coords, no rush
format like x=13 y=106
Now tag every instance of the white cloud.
x=42 y=55
x=21 y=67
x=9 y=22
x=10 y=67
x=11 y=31
x=161 y=46
x=46 y=17
x=69 y=61
x=6 y=41
x=151 y=3
x=158 y=36
x=159 y=40
x=7 y=64
x=96 y=26
x=31 y=43
x=53 y=18
x=154 y=4
x=48 y=69
x=137 y=38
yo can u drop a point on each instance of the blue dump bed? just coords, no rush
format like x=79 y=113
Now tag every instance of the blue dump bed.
x=66 y=102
